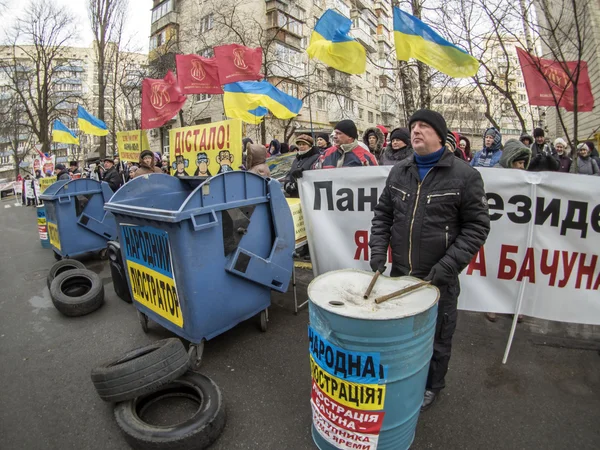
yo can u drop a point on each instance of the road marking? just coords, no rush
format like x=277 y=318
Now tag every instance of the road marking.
x=7 y=206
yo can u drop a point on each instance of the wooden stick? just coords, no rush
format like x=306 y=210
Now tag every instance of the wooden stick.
x=402 y=292
x=371 y=285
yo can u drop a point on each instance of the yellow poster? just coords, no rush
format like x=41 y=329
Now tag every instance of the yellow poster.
x=299 y=228
x=128 y=143
x=53 y=234
x=45 y=182
x=206 y=150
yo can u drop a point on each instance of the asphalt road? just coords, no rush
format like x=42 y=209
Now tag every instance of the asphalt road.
x=546 y=397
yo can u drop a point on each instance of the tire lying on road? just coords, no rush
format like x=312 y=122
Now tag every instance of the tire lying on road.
x=141 y=370
x=77 y=292
x=197 y=432
x=62 y=266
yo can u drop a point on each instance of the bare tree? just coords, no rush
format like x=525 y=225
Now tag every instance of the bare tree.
x=14 y=127
x=36 y=66
x=106 y=18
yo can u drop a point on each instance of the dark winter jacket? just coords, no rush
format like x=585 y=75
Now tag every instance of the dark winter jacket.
x=63 y=175
x=113 y=178
x=349 y=155
x=467 y=149
x=564 y=162
x=380 y=141
x=443 y=220
x=489 y=157
x=390 y=157
x=543 y=149
x=274 y=148
x=299 y=165
x=543 y=162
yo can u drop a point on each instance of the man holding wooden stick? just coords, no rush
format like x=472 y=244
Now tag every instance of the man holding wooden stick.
x=433 y=212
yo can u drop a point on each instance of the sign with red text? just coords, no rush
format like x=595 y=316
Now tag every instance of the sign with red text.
x=206 y=150
x=543 y=244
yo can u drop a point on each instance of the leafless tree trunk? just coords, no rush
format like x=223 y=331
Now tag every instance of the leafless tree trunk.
x=106 y=19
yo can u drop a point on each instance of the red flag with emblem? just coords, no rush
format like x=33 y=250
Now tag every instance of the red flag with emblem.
x=161 y=100
x=548 y=84
x=238 y=63
x=198 y=75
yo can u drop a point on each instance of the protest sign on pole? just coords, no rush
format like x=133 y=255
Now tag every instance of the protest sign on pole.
x=45 y=182
x=206 y=150
x=540 y=258
x=128 y=143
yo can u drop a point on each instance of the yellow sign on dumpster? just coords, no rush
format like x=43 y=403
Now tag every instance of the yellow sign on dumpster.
x=53 y=235
x=299 y=227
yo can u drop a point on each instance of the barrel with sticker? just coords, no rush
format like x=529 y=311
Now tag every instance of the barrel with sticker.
x=369 y=361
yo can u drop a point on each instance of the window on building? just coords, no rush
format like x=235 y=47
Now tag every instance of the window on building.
x=288 y=55
x=289 y=88
x=158 y=39
x=368 y=76
x=206 y=23
x=286 y=22
x=377 y=118
x=370 y=116
x=202 y=97
x=320 y=102
x=206 y=52
x=162 y=10
x=320 y=75
x=361 y=113
x=348 y=104
x=369 y=95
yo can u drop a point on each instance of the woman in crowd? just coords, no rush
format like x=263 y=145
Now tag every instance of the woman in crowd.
x=583 y=162
x=562 y=155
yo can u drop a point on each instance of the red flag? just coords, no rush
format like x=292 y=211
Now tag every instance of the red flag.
x=238 y=63
x=547 y=83
x=161 y=100
x=198 y=75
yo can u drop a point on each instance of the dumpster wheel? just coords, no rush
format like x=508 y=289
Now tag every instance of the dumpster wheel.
x=195 y=353
x=143 y=321
x=264 y=319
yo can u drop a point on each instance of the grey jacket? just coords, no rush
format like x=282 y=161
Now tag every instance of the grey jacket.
x=584 y=166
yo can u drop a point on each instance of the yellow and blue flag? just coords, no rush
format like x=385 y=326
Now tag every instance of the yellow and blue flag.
x=60 y=133
x=242 y=98
x=330 y=44
x=89 y=124
x=416 y=40
x=254 y=116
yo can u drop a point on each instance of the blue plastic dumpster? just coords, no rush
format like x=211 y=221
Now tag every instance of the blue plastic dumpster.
x=76 y=220
x=202 y=255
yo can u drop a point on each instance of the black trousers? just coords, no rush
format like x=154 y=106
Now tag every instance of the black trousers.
x=444 y=330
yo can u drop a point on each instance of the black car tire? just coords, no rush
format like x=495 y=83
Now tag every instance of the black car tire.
x=196 y=433
x=141 y=370
x=62 y=266
x=77 y=292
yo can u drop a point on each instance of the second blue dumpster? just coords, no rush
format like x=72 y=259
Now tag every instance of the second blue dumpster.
x=203 y=255
x=75 y=216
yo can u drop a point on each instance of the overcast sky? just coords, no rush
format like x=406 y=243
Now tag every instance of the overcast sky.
x=138 y=20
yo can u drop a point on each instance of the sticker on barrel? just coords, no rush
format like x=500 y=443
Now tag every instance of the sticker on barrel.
x=150 y=269
x=53 y=235
x=348 y=394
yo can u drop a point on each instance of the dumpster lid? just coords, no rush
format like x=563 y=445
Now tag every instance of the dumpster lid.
x=80 y=186
x=171 y=199
x=341 y=292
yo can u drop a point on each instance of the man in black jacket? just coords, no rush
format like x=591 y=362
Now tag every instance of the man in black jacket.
x=434 y=213
x=111 y=174
x=305 y=160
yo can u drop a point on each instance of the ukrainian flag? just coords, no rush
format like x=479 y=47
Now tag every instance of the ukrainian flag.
x=254 y=116
x=241 y=98
x=89 y=124
x=416 y=40
x=330 y=44
x=60 y=133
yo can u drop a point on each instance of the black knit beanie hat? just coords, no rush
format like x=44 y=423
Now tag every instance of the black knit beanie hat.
x=323 y=136
x=347 y=127
x=538 y=132
x=401 y=133
x=433 y=118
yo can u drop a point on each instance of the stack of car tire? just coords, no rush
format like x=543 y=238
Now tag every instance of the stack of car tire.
x=75 y=291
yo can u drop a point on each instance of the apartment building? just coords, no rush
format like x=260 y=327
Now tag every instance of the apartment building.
x=282 y=28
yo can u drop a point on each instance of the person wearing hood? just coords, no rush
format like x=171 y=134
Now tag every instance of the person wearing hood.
x=274 y=148
x=583 y=163
x=245 y=143
x=255 y=160
x=374 y=139
x=516 y=155
x=465 y=145
x=323 y=143
x=398 y=149
x=451 y=142
x=491 y=153
x=305 y=159
x=386 y=133
x=146 y=165
x=526 y=139
x=61 y=172
x=562 y=156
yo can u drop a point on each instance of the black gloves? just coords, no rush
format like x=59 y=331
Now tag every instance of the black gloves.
x=296 y=174
x=290 y=187
x=441 y=274
x=378 y=263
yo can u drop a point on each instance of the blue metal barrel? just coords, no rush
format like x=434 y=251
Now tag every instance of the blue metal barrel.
x=369 y=361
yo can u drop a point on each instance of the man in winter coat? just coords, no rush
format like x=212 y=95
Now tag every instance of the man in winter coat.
x=61 y=172
x=433 y=212
x=543 y=158
x=374 y=140
x=111 y=175
x=305 y=159
x=255 y=160
x=398 y=149
x=146 y=166
x=492 y=149
x=323 y=142
x=346 y=152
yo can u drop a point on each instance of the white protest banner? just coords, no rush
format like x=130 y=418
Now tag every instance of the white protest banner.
x=543 y=246
x=29 y=189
